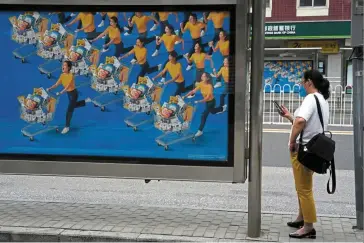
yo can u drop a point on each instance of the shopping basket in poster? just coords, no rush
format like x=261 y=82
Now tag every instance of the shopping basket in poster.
x=174 y=119
x=82 y=56
x=26 y=30
x=108 y=79
x=52 y=47
x=38 y=110
x=139 y=99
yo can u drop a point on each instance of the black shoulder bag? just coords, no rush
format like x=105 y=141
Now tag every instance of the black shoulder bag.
x=318 y=154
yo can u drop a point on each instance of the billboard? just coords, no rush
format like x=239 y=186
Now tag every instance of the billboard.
x=284 y=75
x=136 y=87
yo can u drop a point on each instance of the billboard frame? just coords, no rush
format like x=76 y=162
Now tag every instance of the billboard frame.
x=232 y=171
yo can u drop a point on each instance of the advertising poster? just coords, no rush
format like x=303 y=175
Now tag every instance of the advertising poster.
x=148 y=85
x=284 y=75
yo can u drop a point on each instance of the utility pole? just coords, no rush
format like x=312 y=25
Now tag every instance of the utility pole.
x=256 y=120
x=358 y=103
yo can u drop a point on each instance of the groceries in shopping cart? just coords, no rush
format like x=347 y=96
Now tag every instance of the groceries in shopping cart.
x=53 y=43
x=108 y=79
x=37 y=107
x=171 y=116
x=82 y=56
x=26 y=30
x=25 y=27
x=174 y=119
x=139 y=99
x=105 y=78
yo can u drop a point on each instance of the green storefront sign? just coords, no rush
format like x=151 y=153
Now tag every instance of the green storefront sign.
x=308 y=30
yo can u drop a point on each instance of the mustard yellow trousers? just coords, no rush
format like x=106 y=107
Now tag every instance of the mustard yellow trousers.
x=304 y=187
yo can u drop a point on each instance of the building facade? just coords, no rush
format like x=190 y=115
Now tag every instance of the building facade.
x=312 y=23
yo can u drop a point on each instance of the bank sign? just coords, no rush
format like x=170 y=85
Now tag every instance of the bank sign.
x=308 y=30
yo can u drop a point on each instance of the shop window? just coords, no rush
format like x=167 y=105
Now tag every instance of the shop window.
x=312 y=8
x=312 y=3
x=322 y=67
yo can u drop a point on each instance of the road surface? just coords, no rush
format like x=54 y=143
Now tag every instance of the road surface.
x=275 y=143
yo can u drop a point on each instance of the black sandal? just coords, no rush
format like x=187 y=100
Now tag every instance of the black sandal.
x=296 y=224
x=309 y=235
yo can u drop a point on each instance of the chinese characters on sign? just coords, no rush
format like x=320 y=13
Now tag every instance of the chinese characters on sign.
x=280 y=29
x=328 y=47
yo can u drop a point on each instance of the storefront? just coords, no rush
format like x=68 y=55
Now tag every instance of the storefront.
x=329 y=35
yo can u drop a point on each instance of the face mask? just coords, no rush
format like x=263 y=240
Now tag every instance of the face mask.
x=303 y=92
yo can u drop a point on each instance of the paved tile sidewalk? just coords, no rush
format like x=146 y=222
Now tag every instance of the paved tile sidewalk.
x=40 y=221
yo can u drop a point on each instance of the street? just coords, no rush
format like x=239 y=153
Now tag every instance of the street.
x=275 y=143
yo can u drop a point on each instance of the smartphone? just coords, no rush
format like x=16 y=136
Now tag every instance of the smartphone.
x=279 y=108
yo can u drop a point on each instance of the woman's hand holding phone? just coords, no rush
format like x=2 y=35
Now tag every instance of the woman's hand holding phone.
x=285 y=113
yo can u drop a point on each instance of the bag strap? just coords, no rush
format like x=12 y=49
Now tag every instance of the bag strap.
x=332 y=163
x=333 y=177
x=320 y=113
x=320 y=116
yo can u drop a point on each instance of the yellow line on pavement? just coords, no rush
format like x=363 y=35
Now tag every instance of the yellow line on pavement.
x=272 y=130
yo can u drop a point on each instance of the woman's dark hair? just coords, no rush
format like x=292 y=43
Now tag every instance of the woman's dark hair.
x=194 y=16
x=225 y=34
x=173 y=54
x=201 y=49
x=170 y=27
x=320 y=83
x=69 y=64
x=115 y=19
x=208 y=76
x=142 y=40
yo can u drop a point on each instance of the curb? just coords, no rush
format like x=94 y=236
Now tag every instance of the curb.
x=22 y=234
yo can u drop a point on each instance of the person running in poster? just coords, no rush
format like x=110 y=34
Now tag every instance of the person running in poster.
x=199 y=59
x=174 y=68
x=206 y=89
x=141 y=22
x=195 y=29
x=67 y=80
x=224 y=46
x=217 y=19
x=162 y=17
x=169 y=39
x=113 y=36
x=88 y=24
x=223 y=73
x=109 y=14
x=140 y=53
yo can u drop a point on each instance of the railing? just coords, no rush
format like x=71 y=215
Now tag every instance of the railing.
x=340 y=103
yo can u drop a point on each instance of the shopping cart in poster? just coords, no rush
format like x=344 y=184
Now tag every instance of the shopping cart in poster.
x=139 y=99
x=174 y=119
x=38 y=110
x=26 y=29
x=108 y=79
x=82 y=55
x=52 y=47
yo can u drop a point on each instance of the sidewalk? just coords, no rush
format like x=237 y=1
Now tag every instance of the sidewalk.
x=39 y=221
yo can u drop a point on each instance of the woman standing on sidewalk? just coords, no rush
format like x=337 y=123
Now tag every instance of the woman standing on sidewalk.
x=306 y=117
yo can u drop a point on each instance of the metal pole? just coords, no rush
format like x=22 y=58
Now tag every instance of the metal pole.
x=343 y=68
x=256 y=120
x=358 y=99
x=241 y=47
x=358 y=137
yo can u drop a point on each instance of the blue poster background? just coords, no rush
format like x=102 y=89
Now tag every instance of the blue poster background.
x=93 y=132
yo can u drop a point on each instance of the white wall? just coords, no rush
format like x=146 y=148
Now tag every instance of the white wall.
x=333 y=65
